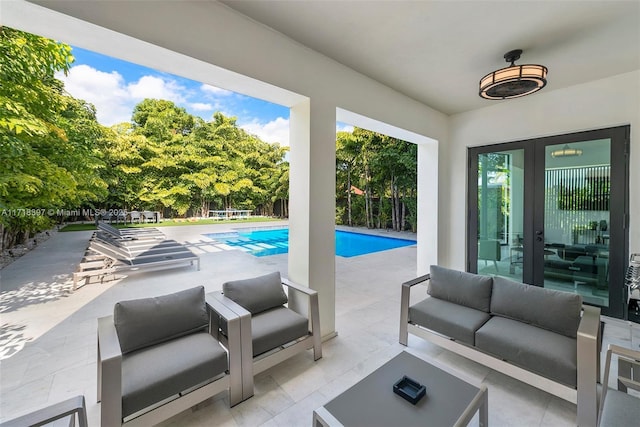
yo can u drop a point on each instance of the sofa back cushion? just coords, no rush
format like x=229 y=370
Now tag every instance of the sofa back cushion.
x=470 y=290
x=552 y=310
x=144 y=322
x=257 y=294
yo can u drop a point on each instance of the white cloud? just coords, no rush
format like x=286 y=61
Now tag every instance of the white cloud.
x=201 y=106
x=274 y=131
x=114 y=99
x=157 y=88
x=341 y=127
x=215 y=90
x=106 y=91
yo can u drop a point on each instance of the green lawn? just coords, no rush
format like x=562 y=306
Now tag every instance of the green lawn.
x=171 y=223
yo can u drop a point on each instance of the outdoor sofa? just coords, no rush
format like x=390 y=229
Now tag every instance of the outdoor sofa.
x=542 y=337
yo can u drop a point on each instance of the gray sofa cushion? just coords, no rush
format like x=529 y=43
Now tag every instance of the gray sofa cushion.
x=620 y=409
x=161 y=371
x=275 y=327
x=257 y=294
x=553 y=310
x=462 y=288
x=148 y=321
x=538 y=350
x=453 y=320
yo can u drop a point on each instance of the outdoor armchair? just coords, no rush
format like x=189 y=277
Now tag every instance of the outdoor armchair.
x=134 y=216
x=271 y=329
x=617 y=407
x=158 y=357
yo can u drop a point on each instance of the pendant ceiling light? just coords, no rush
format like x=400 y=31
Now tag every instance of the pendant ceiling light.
x=515 y=80
x=566 y=151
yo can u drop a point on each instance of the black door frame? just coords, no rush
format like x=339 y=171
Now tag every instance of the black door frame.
x=533 y=220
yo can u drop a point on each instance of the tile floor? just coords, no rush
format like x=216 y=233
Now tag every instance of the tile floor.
x=48 y=339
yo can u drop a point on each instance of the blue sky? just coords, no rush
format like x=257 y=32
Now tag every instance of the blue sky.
x=115 y=87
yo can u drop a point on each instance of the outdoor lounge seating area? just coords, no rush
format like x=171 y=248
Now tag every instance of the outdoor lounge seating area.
x=62 y=362
x=542 y=155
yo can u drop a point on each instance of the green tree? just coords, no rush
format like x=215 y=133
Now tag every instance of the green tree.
x=348 y=153
x=48 y=139
x=385 y=169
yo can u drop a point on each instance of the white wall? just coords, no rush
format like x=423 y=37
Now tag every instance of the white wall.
x=604 y=103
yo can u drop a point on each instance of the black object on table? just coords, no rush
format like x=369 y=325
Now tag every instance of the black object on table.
x=410 y=390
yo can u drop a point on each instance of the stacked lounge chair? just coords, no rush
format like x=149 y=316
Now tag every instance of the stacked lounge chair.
x=112 y=250
x=131 y=233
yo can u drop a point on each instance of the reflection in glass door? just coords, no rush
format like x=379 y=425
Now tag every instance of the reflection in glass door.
x=500 y=243
x=577 y=219
x=553 y=212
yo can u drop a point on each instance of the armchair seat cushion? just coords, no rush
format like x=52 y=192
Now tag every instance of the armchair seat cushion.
x=455 y=321
x=155 y=373
x=275 y=327
x=547 y=353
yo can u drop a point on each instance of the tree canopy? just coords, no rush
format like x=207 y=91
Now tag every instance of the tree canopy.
x=56 y=156
x=48 y=140
x=376 y=178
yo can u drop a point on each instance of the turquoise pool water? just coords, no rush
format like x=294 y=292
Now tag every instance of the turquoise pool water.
x=276 y=241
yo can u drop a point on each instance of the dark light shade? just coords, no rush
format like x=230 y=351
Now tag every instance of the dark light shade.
x=513 y=81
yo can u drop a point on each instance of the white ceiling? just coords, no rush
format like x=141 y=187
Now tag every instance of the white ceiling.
x=437 y=51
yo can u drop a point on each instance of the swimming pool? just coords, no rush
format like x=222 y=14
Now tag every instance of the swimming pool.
x=276 y=241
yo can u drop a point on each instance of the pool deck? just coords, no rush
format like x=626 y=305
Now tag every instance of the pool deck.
x=48 y=340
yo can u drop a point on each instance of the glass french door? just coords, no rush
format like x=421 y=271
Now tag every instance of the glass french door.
x=500 y=213
x=553 y=212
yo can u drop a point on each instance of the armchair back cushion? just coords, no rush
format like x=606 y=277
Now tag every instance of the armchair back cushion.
x=257 y=294
x=522 y=302
x=144 y=322
x=470 y=290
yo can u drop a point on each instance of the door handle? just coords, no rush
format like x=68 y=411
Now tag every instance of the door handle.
x=539 y=235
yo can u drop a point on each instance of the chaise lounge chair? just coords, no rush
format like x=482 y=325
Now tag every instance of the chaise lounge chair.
x=134 y=245
x=131 y=233
x=103 y=259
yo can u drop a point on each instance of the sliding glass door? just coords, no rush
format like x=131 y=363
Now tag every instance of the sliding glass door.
x=553 y=212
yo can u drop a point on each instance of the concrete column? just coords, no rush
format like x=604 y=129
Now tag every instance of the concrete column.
x=427 y=235
x=312 y=204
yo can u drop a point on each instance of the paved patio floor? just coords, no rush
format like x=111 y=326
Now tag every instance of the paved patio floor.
x=48 y=338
